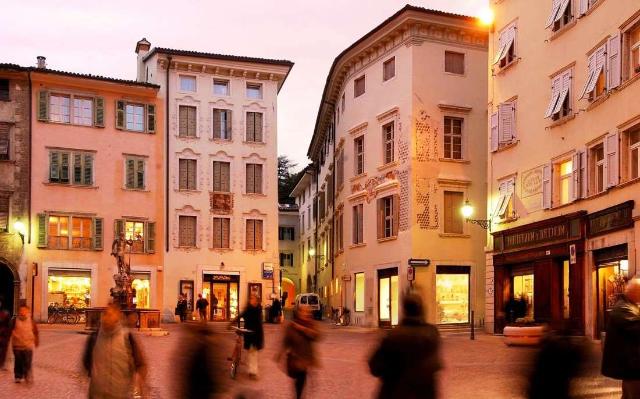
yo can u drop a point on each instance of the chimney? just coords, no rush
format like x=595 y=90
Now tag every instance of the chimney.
x=42 y=62
x=142 y=48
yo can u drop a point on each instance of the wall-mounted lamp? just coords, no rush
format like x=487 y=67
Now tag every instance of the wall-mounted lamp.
x=312 y=253
x=467 y=212
x=20 y=228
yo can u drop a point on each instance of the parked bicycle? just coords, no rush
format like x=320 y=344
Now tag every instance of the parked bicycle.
x=237 y=351
x=341 y=316
x=65 y=314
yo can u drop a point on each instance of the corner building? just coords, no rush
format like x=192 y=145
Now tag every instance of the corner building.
x=221 y=199
x=563 y=171
x=398 y=147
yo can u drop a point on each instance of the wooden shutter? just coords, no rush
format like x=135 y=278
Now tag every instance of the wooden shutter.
x=98 y=109
x=258 y=127
x=151 y=118
x=225 y=177
x=120 y=116
x=42 y=230
x=583 y=174
x=615 y=65
x=250 y=234
x=361 y=223
x=250 y=178
x=217 y=124
x=98 y=233
x=380 y=217
x=506 y=114
x=584 y=6
x=258 y=178
x=574 y=187
x=43 y=106
x=192 y=125
x=228 y=124
x=183 y=174
x=150 y=237
x=54 y=166
x=118 y=227
x=4 y=141
x=251 y=127
x=216 y=176
x=87 y=177
x=546 y=185
x=396 y=214
x=64 y=167
x=192 y=168
x=140 y=174
x=591 y=70
x=130 y=173
x=556 y=87
x=555 y=6
x=494 y=132
x=77 y=168
x=182 y=121
x=612 y=160
x=217 y=233
x=258 y=244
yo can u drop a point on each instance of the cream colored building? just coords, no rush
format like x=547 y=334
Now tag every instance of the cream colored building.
x=398 y=147
x=304 y=193
x=563 y=169
x=221 y=161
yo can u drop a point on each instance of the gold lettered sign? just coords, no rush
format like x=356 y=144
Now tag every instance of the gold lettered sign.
x=610 y=219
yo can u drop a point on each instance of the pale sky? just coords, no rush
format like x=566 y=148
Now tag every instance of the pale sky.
x=99 y=37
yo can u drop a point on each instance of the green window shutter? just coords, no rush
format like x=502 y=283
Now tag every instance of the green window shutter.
x=140 y=174
x=120 y=114
x=88 y=169
x=43 y=106
x=118 y=228
x=98 y=234
x=64 y=167
x=98 y=109
x=150 y=237
x=42 y=230
x=54 y=166
x=151 y=118
x=77 y=168
x=130 y=175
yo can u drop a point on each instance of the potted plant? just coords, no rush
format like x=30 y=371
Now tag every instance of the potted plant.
x=521 y=328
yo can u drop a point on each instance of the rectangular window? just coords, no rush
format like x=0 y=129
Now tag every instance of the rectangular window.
x=359 y=292
x=560 y=103
x=254 y=235
x=135 y=172
x=597 y=161
x=633 y=42
x=286 y=259
x=83 y=111
x=358 y=224
x=187 y=172
x=340 y=232
x=188 y=83
x=134 y=231
x=221 y=176
x=564 y=172
x=561 y=14
x=187 y=121
x=454 y=62
x=254 y=178
x=58 y=234
x=71 y=167
x=254 y=91
x=452 y=138
x=221 y=87
x=506 y=47
x=254 y=127
x=633 y=138
x=59 y=108
x=387 y=137
x=5 y=141
x=389 y=69
x=5 y=205
x=453 y=221
x=387 y=216
x=4 y=90
x=187 y=226
x=286 y=233
x=358 y=146
x=134 y=114
x=359 y=86
x=222 y=124
x=221 y=229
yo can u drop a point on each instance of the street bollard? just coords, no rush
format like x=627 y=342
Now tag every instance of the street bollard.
x=473 y=326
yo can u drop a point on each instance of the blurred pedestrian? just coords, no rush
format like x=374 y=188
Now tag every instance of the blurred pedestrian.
x=621 y=353
x=24 y=339
x=199 y=363
x=253 y=340
x=201 y=306
x=214 y=304
x=5 y=333
x=181 y=308
x=557 y=363
x=407 y=359
x=297 y=347
x=113 y=359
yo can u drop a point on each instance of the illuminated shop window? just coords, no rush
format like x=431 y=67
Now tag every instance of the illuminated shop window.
x=359 y=292
x=452 y=296
x=66 y=288
x=143 y=290
x=523 y=289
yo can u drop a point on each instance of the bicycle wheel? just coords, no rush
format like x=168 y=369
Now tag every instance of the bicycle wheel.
x=52 y=317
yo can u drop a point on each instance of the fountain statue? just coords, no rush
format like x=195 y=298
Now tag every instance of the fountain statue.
x=122 y=293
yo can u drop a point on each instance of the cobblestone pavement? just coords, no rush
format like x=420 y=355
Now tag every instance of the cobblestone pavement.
x=484 y=368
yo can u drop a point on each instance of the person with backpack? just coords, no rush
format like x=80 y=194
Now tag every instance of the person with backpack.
x=113 y=359
x=24 y=340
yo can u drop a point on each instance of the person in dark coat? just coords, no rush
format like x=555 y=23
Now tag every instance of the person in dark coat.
x=5 y=334
x=407 y=359
x=198 y=363
x=253 y=341
x=181 y=308
x=621 y=353
x=202 y=304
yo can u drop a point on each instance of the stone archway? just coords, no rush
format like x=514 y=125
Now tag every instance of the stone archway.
x=9 y=286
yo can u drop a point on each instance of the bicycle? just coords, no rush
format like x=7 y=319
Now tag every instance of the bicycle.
x=341 y=316
x=237 y=351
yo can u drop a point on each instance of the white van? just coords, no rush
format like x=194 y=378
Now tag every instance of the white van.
x=312 y=301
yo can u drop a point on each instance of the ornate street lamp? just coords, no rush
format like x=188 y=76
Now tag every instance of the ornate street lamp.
x=467 y=211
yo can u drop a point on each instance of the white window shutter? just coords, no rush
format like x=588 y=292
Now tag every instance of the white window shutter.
x=565 y=81
x=556 y=86
x=494 y=131
x=546 y=186
x=506 y=122
x=575 y=177
x=612 y=161
x=615 y=65
x=584 y=6
x=555 y=6
x=592 y=78
x=583 y=174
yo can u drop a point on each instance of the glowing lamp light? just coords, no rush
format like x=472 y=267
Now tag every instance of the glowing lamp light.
x=467 y=210
x=312 y=252
x=486 y=16
x=20 y=228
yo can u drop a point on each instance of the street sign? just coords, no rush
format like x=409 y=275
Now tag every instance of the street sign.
x=419 y=262
x=411 y=275
x=267 y=270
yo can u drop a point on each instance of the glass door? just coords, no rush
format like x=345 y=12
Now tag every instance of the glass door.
x=219 y=302
x=452 y=294
x=388 y=296
x=384 y=285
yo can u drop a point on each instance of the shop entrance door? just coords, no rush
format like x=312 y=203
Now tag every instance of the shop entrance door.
x=7 y=297
x=452 y=294
x=610 y=284
x=388 y=297
x=221 y=291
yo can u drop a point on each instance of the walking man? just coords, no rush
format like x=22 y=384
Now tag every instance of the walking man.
x=253 y=341
x=621 y=354
x=24 y=338
x=201 y=305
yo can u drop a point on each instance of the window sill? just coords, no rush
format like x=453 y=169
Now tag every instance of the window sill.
x=386 y=166
x=353 y=246
x=387 y=239
x=186 y=138
x=505 y=146
x=562 y=121
x=454 y=235
x=459 y=75
x=258 y=143
x=554 y=207
x=70 y=124
x=254 y=251
x=186 y=191
x=186 y=248
x=628 y=182
x=629 y=81
x=462 y=161
x=86 y=187
x=254 y=195
x=221 y=250
x=221 y=141
x=502 y=70
x=559 y=32
x=596 y=195
x=358 y=177
x=592 y=8
x=139 y=190
x=599 y=100
x=507 y=220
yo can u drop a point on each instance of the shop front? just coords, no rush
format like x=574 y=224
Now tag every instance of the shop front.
x=222 y=292
x=388 y=297
x=610 y=233
x=66 y=287
x=141 y=282
x=539 y=273
x=453 y=294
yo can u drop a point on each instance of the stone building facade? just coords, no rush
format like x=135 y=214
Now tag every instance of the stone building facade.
x=289 y=265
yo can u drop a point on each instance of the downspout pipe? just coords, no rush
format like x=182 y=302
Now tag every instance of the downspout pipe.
x=316 y=205
x=167 y=161
x=30 y=158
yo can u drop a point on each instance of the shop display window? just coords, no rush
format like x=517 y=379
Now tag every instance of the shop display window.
x=523 y=291
x=143 y=290
x=66 y=288
x=452 y=296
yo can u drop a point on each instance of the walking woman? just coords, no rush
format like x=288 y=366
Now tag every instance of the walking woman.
x=253 y=341
x=298 y=343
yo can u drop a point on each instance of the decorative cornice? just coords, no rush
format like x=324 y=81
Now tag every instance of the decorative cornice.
x=454 y=182
x=358 y=128
x=458 y=109
x=387 y=114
